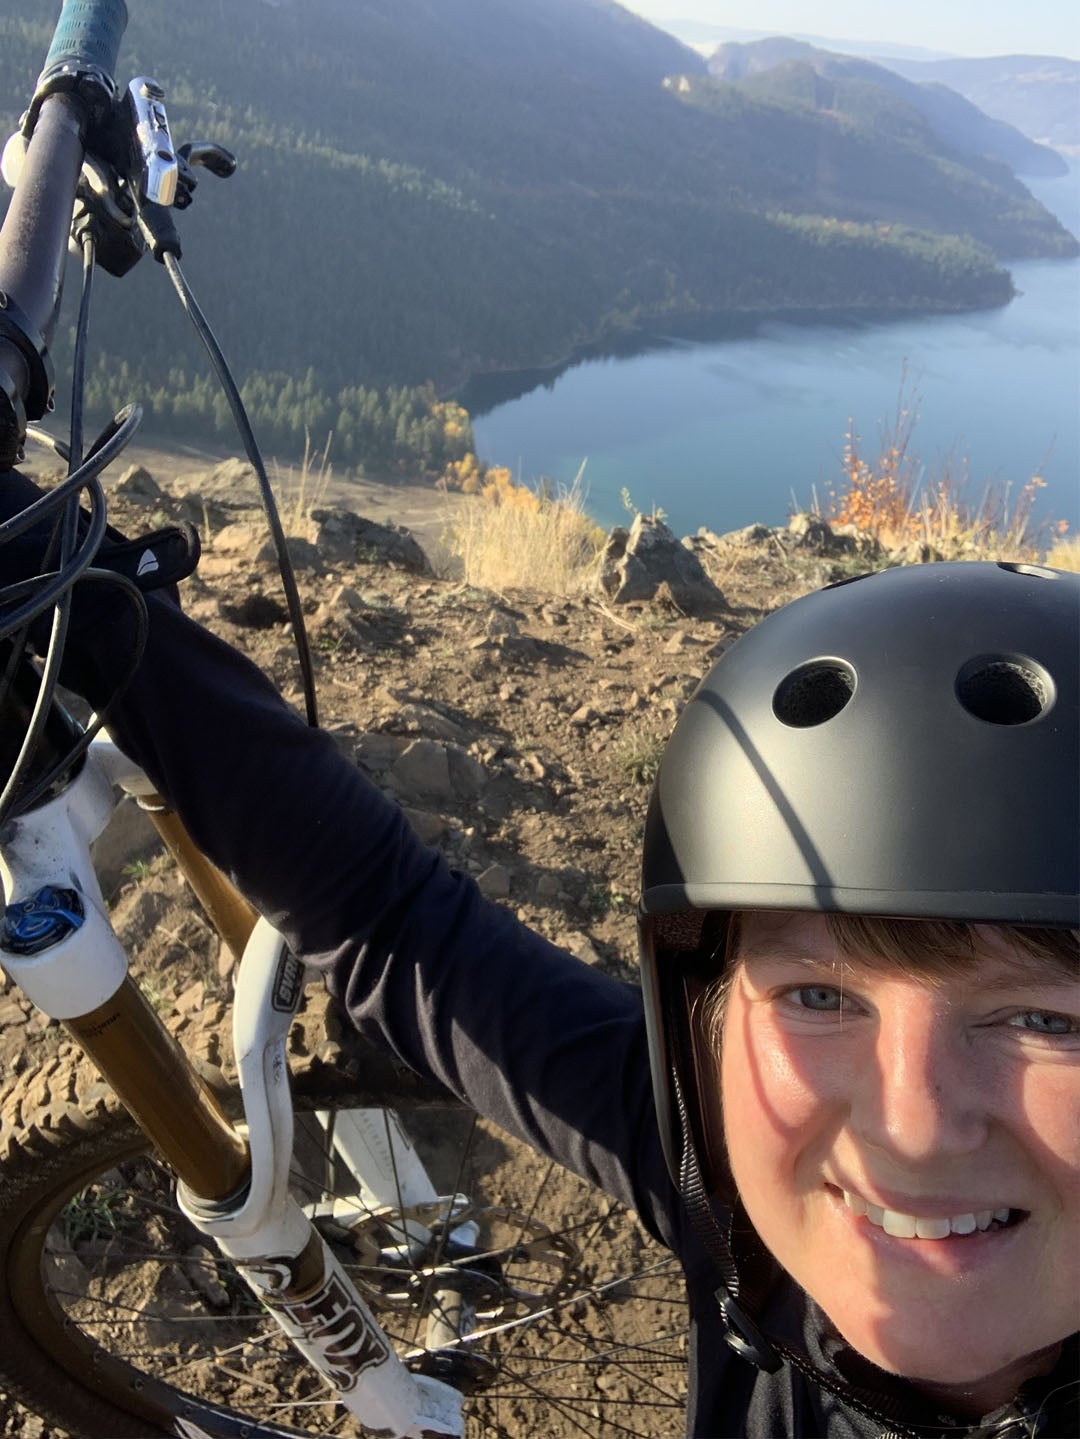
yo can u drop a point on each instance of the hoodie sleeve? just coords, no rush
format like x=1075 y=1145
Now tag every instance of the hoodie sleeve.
x=453 y=985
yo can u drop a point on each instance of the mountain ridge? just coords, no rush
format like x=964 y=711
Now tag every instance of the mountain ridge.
x=430 y=190
x=1038 y=94
x=954 y=120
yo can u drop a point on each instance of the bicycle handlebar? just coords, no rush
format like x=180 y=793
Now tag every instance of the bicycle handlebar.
x=85 y=47
x=74 y=111
x=75 y=90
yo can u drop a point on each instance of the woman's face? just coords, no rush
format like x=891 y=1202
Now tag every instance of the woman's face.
x=880 y=1130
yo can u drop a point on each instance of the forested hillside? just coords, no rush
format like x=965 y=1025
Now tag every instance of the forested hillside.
x=1039 y=94
x=430 y=188
x=881 y=102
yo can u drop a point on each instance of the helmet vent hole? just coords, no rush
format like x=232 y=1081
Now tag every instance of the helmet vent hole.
x=813 y=693
x=1039 y=572
x=1002 y=689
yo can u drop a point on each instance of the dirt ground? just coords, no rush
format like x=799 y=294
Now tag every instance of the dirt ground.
x=556 y=707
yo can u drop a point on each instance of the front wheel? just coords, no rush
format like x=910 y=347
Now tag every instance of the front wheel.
x=118 y=1320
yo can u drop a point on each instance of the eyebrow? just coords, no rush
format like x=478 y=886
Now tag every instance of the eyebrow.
x=1048 y=979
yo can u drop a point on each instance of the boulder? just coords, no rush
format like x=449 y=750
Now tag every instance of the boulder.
x=233 y=479
x=467 y=775
x=429 y=826
x=424 y=769
x=858 y=542
x=242 y=537
x=138 y=486
x=499 y=623
x=579 y=945
x=434 y=770
x=811 y=532
x=637 y=562
x=377 y=752
x=494 y=882
x=423 y=720
x=343 y=538
x=303 y=555
x=709 y=542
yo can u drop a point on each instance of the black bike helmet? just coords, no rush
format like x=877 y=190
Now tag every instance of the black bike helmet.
x=905 y=744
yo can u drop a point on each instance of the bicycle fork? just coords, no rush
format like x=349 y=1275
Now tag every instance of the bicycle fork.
x=56 y=943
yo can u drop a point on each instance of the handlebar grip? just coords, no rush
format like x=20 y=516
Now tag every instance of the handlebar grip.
x=84 y=50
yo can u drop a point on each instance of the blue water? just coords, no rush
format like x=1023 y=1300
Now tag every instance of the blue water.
x=727 y=433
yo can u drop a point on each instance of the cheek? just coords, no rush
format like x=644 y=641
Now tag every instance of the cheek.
x=777 y=1107
x=1045 y=1120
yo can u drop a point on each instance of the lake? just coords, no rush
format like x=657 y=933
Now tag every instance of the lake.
x=730 y=431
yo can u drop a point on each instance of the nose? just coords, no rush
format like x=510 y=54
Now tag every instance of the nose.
x=923 y=1098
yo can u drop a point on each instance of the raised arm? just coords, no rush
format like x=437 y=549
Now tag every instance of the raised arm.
x=454 y=985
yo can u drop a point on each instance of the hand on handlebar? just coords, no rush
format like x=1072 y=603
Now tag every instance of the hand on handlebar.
x=150 y=562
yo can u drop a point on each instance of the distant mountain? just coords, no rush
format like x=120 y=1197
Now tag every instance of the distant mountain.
x=1039 y=94
x=788 y=70
x=702 y=35
x=430 y=188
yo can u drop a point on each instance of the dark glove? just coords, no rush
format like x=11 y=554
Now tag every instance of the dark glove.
x=150 y=562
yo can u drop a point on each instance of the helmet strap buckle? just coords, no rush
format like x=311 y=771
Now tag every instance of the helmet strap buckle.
x=744 y=1337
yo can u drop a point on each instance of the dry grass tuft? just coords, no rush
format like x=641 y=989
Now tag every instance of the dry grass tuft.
x=299 y=490
x=915 y=515
x=1064 y=553
x=638 y=756
x=507 y=536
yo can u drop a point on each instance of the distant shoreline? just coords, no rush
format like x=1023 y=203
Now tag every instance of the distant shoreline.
x=484 y=390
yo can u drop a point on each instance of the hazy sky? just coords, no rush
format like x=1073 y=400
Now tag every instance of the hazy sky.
x=961 y=27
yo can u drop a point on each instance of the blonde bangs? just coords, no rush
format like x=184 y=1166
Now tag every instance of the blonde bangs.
x=940 y=948
x=931 y=950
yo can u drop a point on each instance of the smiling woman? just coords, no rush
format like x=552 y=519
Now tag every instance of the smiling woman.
x=872 y=1183
x=859 y=946
x=924 y=1130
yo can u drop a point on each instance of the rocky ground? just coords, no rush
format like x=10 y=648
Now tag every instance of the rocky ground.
x=520 y=730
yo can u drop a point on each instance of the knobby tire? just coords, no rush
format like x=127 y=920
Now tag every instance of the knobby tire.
x=97 y=1264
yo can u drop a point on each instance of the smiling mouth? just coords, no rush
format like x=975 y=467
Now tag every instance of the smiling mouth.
x=914 y=1226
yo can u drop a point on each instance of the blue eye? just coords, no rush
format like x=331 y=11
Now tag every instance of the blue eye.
x=817 y=996
x=1041 y=1021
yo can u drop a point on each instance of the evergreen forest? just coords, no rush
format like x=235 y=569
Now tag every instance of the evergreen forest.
x=430 y=189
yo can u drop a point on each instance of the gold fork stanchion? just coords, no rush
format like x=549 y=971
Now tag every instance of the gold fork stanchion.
x=146 y=1066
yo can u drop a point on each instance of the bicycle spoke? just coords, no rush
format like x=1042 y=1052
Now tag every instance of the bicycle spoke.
x=560 y=1348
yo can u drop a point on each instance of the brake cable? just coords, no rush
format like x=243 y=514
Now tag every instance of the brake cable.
x=134 y=184
x=266 y=494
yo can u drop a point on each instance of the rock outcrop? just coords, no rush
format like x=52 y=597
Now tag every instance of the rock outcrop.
x=647 y=562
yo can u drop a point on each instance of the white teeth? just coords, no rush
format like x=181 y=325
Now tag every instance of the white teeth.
x=933 y=1228
x=910 y=1226
x=900 y=1226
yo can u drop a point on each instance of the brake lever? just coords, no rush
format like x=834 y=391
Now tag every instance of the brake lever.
x=132 y=179
x=215 y=158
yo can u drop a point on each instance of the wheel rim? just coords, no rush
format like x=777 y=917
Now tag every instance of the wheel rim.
x=596 y=1345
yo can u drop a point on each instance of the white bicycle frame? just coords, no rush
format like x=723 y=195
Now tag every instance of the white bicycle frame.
x=78 y=965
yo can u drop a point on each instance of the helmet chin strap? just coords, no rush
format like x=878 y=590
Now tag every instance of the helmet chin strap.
x=740 y=1331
